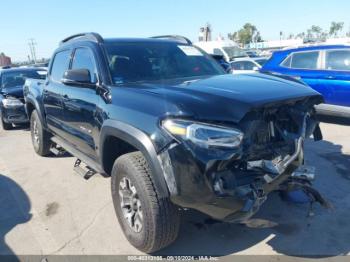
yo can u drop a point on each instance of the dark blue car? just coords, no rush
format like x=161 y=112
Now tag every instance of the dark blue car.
x=326 y=68
x=11 y=94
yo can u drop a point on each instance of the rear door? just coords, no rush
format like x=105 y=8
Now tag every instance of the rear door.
x=336 y=76
x=80 y=105
x=52 y=92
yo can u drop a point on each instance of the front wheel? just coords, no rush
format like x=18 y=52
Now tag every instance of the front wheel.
x=149 y=222
x=40 y=137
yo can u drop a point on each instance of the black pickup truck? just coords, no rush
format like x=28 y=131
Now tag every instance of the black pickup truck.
x=173 y=131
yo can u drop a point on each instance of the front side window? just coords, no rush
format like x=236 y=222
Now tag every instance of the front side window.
x=148 y=61
x=338 y=60
x=304 y=60
x=83 y=59
x=17 y=78
x=60 y=65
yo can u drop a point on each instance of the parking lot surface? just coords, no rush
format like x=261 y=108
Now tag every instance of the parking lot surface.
x=48 y=209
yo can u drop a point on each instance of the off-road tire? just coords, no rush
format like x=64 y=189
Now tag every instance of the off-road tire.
x=42 y=144
x=161 y=218
x=5 y=126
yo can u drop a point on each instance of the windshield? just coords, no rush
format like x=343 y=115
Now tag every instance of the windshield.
x=234 y=52
x=131 y=62
x=17 y=78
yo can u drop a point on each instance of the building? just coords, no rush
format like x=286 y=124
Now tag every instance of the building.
x=205 y=33
x=4 y=60
x=277 y=44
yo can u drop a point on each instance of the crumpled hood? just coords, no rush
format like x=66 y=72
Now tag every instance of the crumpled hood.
x=16 y=91
x=253 y=89
x=225 y=97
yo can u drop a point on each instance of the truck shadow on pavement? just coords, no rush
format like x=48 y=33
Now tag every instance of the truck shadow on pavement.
x=281 y=227
x=14 y=210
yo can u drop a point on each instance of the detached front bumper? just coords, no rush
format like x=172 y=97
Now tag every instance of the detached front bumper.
x=15 y=115
x=200 y=182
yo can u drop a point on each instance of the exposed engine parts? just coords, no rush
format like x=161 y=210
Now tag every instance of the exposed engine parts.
x=273 y=146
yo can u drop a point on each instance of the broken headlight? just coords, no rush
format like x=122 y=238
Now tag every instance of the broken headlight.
x=204 y=135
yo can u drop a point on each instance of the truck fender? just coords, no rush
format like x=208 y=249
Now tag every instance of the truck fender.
x=30 y=100
x=141 y=142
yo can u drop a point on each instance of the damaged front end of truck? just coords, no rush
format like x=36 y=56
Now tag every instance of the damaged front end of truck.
x=230 y=183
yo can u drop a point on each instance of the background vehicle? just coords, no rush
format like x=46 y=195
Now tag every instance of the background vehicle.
x=261 y=60
x=325 y=68
x=11 y=94
x=244 y=65
x=247 y=65
x=171 y=128
x=222 y=62
x=252 y=53
x=226 y=48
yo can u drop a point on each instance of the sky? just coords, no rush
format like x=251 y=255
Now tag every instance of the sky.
x=48 y=22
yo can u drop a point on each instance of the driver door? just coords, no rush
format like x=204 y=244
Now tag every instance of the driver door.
x=80 y=105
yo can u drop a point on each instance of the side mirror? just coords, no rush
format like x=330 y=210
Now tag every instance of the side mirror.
x=80 y=77
x=255 y=68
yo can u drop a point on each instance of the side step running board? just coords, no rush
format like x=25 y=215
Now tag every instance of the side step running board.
x=86 y=172
x=57 y=151
x=91 y=164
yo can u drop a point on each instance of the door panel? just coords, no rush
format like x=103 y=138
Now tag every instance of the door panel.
x=52 y=92
x=312 y=78
x=338 y=84
x=52 y=98
x=337 y=75
x=80 y=105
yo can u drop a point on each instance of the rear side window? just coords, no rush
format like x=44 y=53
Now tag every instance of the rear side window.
x=338 y=60
x=304 y=60
x=60 y=65
x=83 y=59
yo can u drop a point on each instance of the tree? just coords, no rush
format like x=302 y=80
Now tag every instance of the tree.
x=300 y=35
x=335 y=28
x=233 y=37
x=316 y=31
x=246 y=35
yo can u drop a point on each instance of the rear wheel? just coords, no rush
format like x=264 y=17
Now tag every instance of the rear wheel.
x=40 y=137
x=149 y=222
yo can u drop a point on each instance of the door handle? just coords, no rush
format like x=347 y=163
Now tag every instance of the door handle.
x=330 y=77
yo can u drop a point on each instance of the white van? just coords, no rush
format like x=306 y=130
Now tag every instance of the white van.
x=227 y=48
